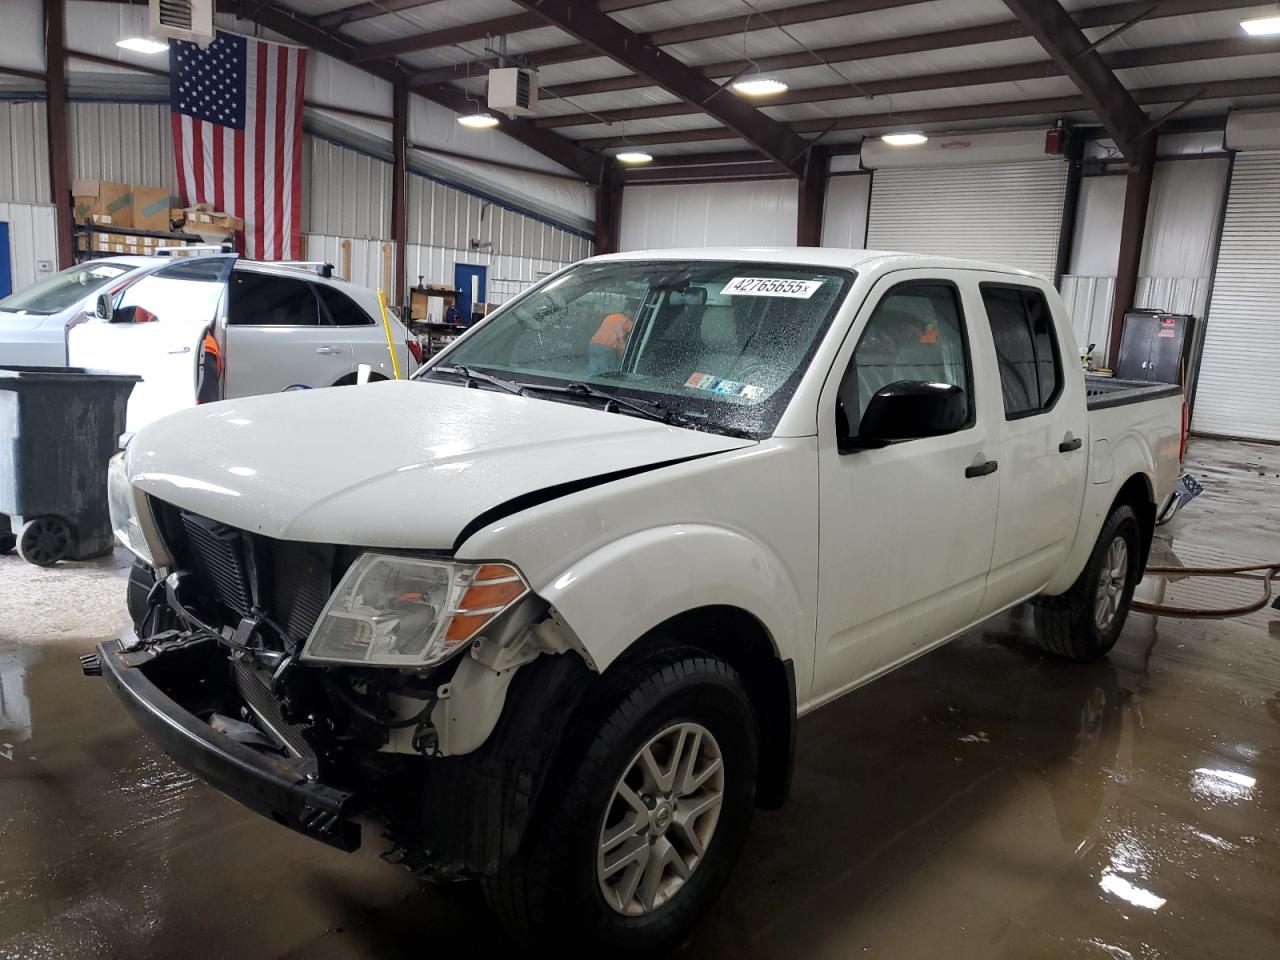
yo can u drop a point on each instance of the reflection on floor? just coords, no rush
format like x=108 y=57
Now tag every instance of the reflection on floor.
x=982 y=802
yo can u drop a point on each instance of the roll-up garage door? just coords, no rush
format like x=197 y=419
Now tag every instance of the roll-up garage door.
x=1238 y=391
x=1010 y=213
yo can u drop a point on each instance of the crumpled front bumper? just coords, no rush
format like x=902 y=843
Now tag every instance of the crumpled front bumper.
x=275 y=786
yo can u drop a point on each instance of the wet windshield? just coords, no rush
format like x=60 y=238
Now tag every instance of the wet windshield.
x=715 y=345
x=60 y=291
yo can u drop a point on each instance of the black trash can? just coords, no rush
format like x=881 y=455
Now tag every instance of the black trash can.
x=59 y=428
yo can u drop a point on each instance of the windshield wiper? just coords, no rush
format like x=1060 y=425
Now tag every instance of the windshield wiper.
x=475 y=376
x=649 y=409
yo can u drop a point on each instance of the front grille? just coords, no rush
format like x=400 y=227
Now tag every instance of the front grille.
x=249 y=574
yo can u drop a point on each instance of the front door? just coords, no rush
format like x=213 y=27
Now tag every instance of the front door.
x=275 y=338
x=157 y=326
x=1042 y=429
x=905 y=530
x=470 y=279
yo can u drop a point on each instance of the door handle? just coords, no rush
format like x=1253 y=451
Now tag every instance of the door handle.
x=1066 y=446
x=981 y=469
x=327 y=351
x=181 y=350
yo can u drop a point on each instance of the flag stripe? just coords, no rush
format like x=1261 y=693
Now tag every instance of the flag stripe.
x=262 y=156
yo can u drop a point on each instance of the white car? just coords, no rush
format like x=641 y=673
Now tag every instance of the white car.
x=558 y=631
x=34 y=321
x=276 y=326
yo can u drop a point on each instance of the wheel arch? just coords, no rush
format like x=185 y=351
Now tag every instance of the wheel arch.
x=1138 y=494
x=740 y=639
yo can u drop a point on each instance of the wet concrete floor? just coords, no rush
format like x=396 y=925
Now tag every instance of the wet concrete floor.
x=982 y=802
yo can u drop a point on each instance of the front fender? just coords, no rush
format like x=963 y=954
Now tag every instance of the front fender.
x=618 y=593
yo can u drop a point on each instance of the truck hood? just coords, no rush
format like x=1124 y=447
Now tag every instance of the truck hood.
x=11 y=320
x=393 y=464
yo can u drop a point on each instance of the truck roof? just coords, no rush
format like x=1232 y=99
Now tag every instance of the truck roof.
x=820 y=257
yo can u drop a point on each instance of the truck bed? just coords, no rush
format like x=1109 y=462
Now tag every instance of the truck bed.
x=1102 y=392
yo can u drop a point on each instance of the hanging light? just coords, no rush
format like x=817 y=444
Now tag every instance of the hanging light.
x=142 y=45
x=634 y=157
x=904 y=139
x=1262 y=26
x=479 y=121
x=759 y=86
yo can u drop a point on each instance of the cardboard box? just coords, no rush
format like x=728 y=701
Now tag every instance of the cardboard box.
x=151 y=206
x=104 y=198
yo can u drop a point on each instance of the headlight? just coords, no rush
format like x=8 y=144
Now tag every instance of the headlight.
x=410 y=612
x=131 y=519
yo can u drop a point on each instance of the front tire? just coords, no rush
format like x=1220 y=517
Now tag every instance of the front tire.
x=1084 y=623
x=643 y=817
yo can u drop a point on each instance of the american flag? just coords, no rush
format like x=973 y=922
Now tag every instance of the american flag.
x=237 y=135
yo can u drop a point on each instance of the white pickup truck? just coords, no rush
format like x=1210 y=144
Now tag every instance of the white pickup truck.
x=550 y=611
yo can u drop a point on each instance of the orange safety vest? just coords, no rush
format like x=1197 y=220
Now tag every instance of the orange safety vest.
x=613 y=332
x=210 y=346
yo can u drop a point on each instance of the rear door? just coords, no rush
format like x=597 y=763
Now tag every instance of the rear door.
x=354 y=325
x=158 y=324
x=1041 y=431
x=906 y=529
x=275 y=337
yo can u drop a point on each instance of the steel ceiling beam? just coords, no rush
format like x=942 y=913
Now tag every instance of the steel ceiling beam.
x=483 y=29
x=366 y=11
x=615 y=41
x=889 y=47
x=872 y=122
x=1040 y=69
x=303 y=30
x=729 y=26
x=1064 y=41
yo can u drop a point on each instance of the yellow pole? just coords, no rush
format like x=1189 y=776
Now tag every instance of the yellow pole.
x=386 y=325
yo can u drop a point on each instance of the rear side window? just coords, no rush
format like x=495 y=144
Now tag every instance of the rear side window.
x=1026 y=348
x=262 y=300
x=342 y=310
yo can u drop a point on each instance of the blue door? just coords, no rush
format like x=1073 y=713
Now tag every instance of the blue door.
x=6 y=278
x=470 y=280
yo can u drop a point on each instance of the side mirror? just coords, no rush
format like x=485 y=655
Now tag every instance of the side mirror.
x=102 y=306
x=908 y=410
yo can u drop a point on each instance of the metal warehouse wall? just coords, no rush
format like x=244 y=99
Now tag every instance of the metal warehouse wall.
x=518 y=249
x=24 y=154
x=1178 y=249
x=746 y=213
x=346 y=193
x=126 y=142
x=33 y=247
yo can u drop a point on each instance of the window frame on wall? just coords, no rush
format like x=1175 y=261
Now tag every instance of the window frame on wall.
x=1025 y=291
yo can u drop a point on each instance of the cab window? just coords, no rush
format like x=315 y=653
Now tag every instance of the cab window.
x=1026 y=348
x=263 y=300
x=916 y=333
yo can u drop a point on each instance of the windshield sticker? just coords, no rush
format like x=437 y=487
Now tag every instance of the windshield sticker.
x=771 y=287
x=728 y=388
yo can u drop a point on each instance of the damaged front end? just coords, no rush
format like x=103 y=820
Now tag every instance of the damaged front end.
x=319 y=685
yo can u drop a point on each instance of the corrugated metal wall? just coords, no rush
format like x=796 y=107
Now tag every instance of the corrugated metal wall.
x=24 y=154
x=737 y=213
x=33 y=246
x=126 y=142
x=347 y=194
x=518 y=249
x=369 y=263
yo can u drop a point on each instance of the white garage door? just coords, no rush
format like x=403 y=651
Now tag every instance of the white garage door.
x=1007 y=212
x=1238 y=393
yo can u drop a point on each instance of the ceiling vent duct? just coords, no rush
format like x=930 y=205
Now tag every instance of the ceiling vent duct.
x=513 y=90
x=183 y=20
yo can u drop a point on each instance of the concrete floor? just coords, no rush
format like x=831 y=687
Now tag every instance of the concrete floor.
x=982 y=802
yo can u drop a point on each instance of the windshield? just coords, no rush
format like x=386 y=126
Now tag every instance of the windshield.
x=54 y=294
x=719 y=344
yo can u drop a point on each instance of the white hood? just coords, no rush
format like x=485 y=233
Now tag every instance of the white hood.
x=393 y=464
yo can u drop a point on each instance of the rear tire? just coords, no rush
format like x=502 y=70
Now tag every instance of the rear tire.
x=1084 y=623
x=581 y=882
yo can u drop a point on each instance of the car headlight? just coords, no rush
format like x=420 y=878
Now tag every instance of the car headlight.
x=402 y=611
x=131 y=518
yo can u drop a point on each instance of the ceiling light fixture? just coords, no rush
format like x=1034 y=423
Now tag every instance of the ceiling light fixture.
x=1262 y=26
x=759 y=86
x=634 y=156
x=142 y=45
x=904 y=139
x=479 y=121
